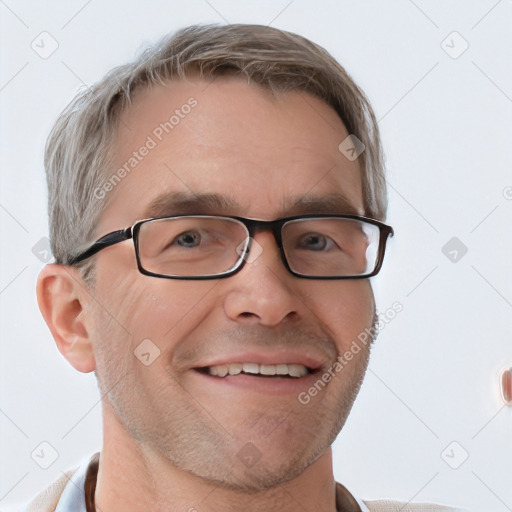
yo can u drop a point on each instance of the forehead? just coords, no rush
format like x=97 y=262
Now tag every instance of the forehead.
x=264 y=153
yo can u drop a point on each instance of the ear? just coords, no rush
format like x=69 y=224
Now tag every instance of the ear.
x=63 y=296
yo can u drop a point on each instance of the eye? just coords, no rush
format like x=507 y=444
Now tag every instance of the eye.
x=316 y=242
x=188 y=239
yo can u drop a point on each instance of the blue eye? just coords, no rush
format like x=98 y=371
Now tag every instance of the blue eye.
x=189 y=239
x=316 y=242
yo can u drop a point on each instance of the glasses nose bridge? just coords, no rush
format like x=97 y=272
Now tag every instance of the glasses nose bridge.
x=274 y=226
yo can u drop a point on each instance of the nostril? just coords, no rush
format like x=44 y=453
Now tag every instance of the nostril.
x=248 y=317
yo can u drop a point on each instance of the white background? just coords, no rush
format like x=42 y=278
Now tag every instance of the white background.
x=447 y=131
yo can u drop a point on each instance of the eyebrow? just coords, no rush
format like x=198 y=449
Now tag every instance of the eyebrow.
x=178 y=203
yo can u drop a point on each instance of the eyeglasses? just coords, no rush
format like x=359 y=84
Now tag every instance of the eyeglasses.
x=212 y=247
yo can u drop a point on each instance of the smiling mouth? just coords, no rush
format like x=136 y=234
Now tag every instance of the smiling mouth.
x=292 y=371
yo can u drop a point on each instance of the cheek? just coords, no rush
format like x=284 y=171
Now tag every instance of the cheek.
x=140 y=307
x=359 y=300
x=167 y=308
x=346 y=308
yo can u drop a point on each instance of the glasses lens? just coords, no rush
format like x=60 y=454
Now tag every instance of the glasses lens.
x=191 y=246
x=331 y=247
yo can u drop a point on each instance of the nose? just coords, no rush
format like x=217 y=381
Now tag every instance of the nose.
x=262 y=292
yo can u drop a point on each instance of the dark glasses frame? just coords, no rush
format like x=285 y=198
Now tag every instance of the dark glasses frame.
x=252 y=226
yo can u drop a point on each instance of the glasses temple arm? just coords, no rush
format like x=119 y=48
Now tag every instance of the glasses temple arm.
x=105 y=241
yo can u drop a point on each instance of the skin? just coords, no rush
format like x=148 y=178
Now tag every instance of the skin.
x=170 y=442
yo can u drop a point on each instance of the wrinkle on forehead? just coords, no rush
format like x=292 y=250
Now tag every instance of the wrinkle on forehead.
x=239 y=142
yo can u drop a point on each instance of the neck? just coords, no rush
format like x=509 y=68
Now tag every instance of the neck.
x=133 y=478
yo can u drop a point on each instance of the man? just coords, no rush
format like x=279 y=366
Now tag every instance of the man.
x=216 y=211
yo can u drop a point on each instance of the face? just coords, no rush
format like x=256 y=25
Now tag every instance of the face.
x=236 y=151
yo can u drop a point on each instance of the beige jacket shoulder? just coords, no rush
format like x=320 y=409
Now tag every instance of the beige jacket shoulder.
x=46 y=500
x=396 y=506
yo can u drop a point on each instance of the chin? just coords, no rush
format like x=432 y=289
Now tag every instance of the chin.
x=265 y=475
x=278 y=463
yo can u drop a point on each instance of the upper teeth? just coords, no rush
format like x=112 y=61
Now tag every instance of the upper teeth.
x=293 y=370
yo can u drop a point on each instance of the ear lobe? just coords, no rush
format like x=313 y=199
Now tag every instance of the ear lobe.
x=63 y=296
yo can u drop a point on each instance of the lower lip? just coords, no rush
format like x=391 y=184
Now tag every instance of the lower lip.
x=268 y=385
